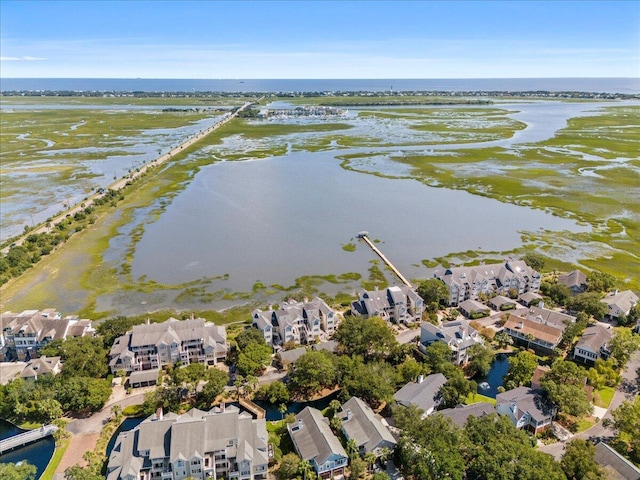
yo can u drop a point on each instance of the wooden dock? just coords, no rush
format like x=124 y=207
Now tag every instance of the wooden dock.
x=26 y=437
x=364 y=236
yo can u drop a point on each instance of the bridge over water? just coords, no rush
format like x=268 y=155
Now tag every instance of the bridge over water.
x=26 y=437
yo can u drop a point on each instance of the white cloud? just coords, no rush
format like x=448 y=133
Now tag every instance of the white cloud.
x=21 y=59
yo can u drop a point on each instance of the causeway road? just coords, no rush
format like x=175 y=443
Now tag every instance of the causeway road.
x=120 y=183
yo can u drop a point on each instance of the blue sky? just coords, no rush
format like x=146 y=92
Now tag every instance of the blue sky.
x=319 y=39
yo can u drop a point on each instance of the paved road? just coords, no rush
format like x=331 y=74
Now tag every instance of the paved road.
x=627 y=390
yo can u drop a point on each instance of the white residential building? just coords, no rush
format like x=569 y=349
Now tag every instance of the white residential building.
x=298 y=322
x=619 y=303
x=221 y=443
x=23 y=334
x=459 y=335
x=396 y=304
x=152 y=346
x=467 y=283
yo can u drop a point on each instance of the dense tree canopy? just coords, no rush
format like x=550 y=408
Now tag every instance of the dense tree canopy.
x=564 y=385
x=481 y=359
x=312 y=372
x=81 y=356
x=254 y=358
x=622 y=346
x=626 y=420
x=437 y=356
x=578 y=461
x=434 y=293
x=600 y=282
x=370 y=338
x=248 y=336
x=521 y=368
x=534 y=260
x=589 y=303
x=374 y=382
x=12 y=471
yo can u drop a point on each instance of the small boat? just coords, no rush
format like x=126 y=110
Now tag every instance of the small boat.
x=484 y=386
x=363 y=234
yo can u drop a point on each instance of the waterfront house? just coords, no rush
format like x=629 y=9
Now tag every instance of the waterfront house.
x=23 y=334
x=220 y=443
x=533 y=333
x=468 y=283
x=459 y=335
x=396 y=304
x=425 y=393
x=619 y=303
x=315 y=442
x=575 y=280
x=526 y=408
x=593 y=344
x=293 y=321
x=368 y=429
x=154 y=345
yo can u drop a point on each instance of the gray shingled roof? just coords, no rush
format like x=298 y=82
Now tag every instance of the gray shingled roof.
x=595 y=337
x=461 y=413
x=313 y=437
x=616 y=466
x=424 y=395
x=526 y=400
x=363 y=425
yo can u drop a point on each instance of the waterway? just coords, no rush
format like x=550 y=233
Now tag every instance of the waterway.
x=499 y=369
x=38 y=453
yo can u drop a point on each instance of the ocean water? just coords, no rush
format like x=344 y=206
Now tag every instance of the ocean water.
x=603 y=85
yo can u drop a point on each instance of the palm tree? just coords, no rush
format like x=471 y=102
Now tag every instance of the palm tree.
x=352 y=448
x=370 y=458
x=335 y=405
x=282 y=409
x=385 y=454
x=304 y=468
x=529 y=337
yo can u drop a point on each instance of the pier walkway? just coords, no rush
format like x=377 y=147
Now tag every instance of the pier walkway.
x=253 y=408
x=26 y=438
x=377 y=251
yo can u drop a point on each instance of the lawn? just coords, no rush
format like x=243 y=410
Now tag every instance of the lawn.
x=604 y=397
x=477 y=398
x=55 y=460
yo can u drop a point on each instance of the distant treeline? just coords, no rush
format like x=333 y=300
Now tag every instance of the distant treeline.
x=361 y=93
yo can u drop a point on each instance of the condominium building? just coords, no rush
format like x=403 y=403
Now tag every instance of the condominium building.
x=397 y=304
x=294 y=321
x=221 y=443
x=152 y=346
x=23 y=334
x=467 y=283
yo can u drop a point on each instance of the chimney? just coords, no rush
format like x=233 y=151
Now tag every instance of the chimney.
x=159 y=413
x=349 y=414
x=420 y=378
x=148 y=321
x=520 y=324
x=306 y=299
x=541 y=304
x=221 y=407
x=270 y=307
x=299 y=424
